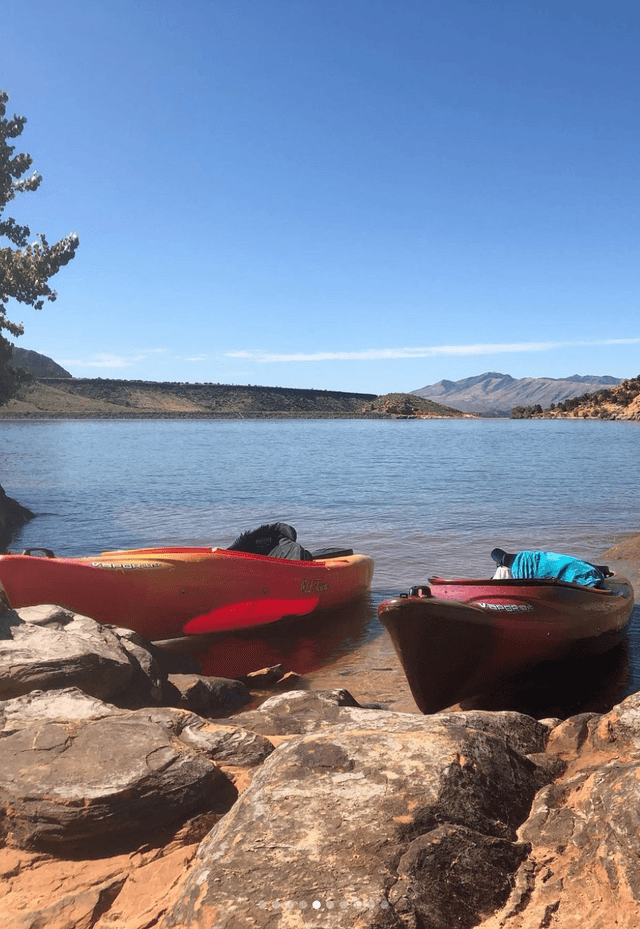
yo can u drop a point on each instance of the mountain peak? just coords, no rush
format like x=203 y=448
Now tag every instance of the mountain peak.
x=498 y=394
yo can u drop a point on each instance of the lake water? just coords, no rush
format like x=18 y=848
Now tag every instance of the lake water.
x=421 y=497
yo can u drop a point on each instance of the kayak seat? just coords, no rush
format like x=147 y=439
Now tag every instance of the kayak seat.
x=277 y=540
x=321 y=553
x=502 y=559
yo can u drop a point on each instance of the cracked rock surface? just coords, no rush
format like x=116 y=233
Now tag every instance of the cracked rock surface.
x=365 y=817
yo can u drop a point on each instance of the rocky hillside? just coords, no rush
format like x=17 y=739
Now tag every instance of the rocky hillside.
x=36 y=364
x=410 y=406
x=620 y=402
x=497 y=394
x=95 y=397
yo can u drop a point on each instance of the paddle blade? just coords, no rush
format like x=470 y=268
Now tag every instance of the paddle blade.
x=249 y=613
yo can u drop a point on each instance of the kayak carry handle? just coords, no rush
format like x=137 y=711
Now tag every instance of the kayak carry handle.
x=45 y=551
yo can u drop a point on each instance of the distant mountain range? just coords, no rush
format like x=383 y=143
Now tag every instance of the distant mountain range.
x=496 y=394
x=489 y=394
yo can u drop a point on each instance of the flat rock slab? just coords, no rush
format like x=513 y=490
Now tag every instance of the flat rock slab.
x=128 y=891
x=96 y=773
x=46 y=647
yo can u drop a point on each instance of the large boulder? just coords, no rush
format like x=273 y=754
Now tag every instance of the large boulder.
x=210 y=696
x=12 y=516
x=78 y=773
x=379 y=819
x=584 y=830
x=48 y=647
x=300 y=712
x=310 y=810
x=51 y=880
x=359 y=817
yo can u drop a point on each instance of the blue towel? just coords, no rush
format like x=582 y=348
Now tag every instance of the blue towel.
x=563 y=567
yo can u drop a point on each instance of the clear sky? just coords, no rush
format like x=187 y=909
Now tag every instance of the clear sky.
x=362 y=195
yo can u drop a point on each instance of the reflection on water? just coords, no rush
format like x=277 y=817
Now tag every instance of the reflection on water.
x=302 y=645
x=349 y=648
x=565 y=688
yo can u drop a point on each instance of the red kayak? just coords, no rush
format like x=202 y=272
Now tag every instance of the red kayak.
x=457 y=638
x=164 y=593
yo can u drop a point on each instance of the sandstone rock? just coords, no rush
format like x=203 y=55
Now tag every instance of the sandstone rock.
x=370 y=818
x=227 y=745
x=148 y=685
x=296 y=712
x=224 y=743
x=98 y=774
x=68 y=703
x=584 y=830
x=129 y=890
x=126 y=891
x=360 y=817
x=568 y=736
x=48 y=647
x=299 y=712
x=12 y=516
x=264 y=678
x=452 y=875
x=525 y=735
x=210 y=696
x=331 y=820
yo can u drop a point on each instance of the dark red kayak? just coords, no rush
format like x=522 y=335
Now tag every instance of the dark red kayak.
x=457 y=638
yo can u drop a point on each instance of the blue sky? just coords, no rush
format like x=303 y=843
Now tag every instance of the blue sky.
x=362 y=195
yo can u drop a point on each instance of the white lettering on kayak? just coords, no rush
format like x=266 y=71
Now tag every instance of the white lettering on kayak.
x=128 y=565
x=506 y=607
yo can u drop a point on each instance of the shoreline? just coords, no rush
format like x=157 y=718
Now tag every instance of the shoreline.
x=8 y=417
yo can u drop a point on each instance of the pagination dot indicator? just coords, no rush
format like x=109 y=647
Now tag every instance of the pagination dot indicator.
x=357 y=904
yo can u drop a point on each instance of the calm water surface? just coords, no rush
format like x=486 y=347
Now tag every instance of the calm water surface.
x=422 y=497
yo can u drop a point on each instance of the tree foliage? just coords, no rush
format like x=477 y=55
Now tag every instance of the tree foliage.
x=25 y=266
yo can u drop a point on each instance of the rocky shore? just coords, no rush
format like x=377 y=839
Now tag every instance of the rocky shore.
x=308 y=810
x=136 y=792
